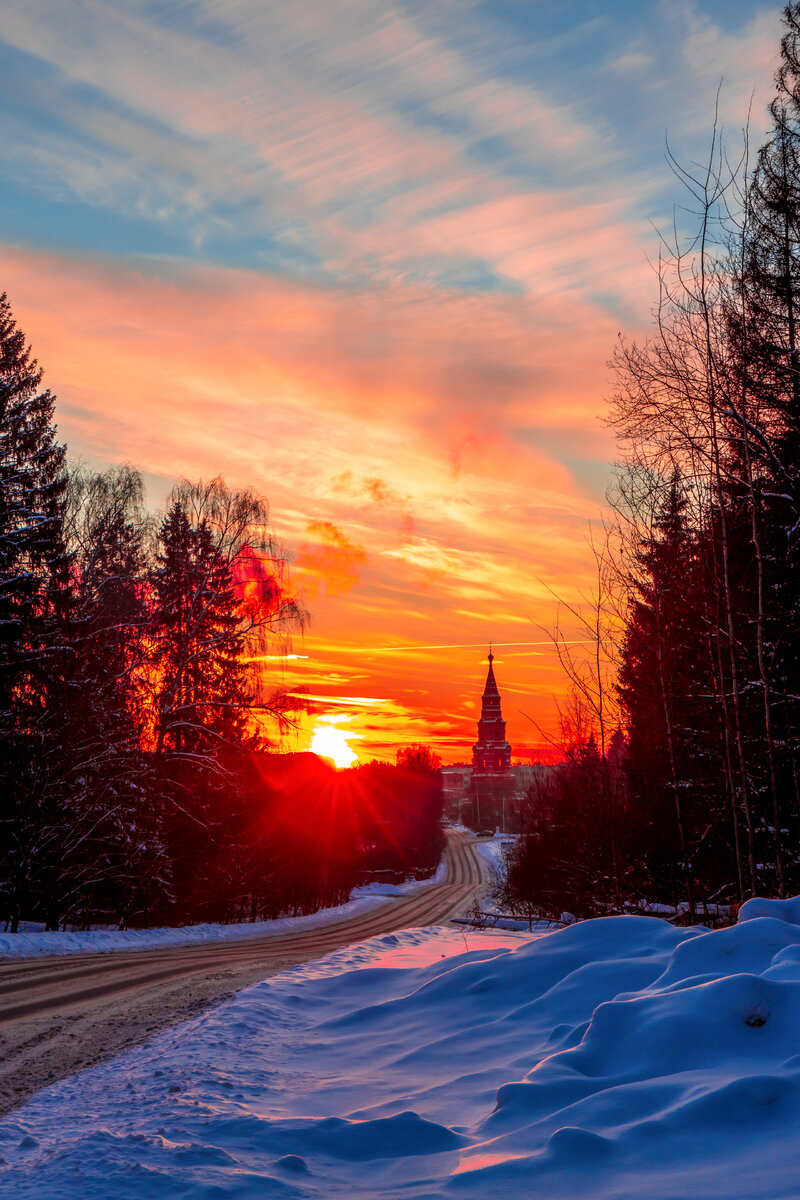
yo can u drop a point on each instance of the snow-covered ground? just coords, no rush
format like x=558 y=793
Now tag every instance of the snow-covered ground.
x=618 y=1057
x=96 y=941
x=402 y=889
x=491 y=851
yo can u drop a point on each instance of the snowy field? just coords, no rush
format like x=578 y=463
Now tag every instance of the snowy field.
x=35 y=944
x=615 y=1058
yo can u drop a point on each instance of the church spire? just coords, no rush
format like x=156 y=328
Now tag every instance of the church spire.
x=491 y=688
x=491 y=754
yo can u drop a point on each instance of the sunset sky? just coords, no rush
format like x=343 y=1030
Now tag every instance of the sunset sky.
x=371 y=258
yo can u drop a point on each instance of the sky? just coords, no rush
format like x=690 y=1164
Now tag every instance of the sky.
x=370 y=258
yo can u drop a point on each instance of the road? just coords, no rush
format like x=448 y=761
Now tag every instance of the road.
x=60 y=1015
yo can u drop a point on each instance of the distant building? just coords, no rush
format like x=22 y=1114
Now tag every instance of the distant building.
x=456 y=781
x=491 y=754
x=493 y=785
x=491 y=793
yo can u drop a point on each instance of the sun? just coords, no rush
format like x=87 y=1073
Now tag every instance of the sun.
x=330 y=742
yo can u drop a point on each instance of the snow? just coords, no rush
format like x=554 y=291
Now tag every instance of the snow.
x=99 y=941
x=619 y=1057
x=491 y=919
x=779 y=910
x=491 y=851
x=403 y=889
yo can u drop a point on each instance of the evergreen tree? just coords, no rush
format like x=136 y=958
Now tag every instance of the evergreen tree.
x=34 y=586
x=420 y=769
x=202 y=687
x=666 y=688
x=771 y=281
x=765 y=446
x=32 y=486
x=202 y=697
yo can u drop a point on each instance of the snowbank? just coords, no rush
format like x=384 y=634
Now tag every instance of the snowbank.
x=491 y=851
x=402 y=889
x=99 y=941
x=780 y=910
x=490 y=919
x=617 y=1057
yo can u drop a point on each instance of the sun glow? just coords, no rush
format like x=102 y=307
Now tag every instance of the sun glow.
x=330 y=742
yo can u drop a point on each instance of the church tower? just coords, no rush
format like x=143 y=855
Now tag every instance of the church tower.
x=491 y=754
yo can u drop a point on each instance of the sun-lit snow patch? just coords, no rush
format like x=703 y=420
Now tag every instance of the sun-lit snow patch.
x=618 y=1057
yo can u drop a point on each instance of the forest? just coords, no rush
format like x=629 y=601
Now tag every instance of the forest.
x=137 y=715
x=681 y=785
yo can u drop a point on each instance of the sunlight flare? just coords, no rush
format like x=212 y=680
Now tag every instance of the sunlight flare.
x=333 y=743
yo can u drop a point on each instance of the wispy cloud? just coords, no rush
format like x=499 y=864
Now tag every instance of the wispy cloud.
x=356 y=138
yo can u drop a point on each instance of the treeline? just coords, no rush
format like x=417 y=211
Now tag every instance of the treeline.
x=289 y=834
x=703 y=800
x=399 y=812
x=134 y=783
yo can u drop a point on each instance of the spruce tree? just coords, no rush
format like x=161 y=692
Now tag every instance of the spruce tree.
x=32 y=486
x=34 y=586
x=202 y=692
x=667 y=688
x=766 y=343
x=201 y=704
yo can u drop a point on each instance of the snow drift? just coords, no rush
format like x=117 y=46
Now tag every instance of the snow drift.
x=618 y=1057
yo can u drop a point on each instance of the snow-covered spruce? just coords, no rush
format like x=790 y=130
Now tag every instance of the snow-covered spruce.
x=619 y=1057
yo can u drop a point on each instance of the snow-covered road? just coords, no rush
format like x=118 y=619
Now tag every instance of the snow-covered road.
x=619 y=1057
x=59 y=1015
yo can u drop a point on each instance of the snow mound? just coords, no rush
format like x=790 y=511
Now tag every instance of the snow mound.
x=781 y=910
x=402 y=889
x=619 y=1057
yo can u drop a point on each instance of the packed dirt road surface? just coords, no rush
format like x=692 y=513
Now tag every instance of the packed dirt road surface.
x=60 y=1015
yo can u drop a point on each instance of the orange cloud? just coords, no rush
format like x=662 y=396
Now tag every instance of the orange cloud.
x=331 y=556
